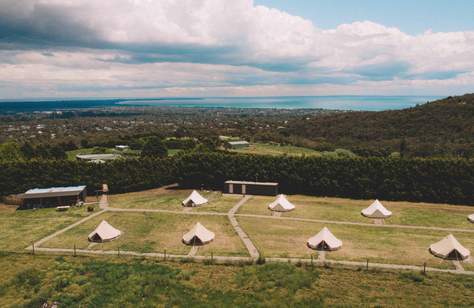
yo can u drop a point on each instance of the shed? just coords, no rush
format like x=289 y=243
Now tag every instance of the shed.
x=251 y=188
x=53 y=197
x=238 y=144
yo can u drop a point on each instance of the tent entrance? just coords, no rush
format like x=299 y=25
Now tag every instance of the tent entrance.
x=323 y=246
x=454 y=255
x=195 y=241
x=96 y=238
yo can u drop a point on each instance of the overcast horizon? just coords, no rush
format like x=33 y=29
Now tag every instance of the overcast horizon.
x=213 y=48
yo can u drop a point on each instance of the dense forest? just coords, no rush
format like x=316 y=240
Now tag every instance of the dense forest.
x=440 y=128
x=430 y=180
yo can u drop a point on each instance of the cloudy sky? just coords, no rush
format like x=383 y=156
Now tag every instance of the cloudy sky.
x=156 y=48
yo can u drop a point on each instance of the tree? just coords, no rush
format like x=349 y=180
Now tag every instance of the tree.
x=403 y=148
x=10 y=151
x=154 y=147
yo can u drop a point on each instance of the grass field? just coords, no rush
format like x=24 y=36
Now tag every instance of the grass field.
x=28 y=281
x=170 y=199
x=380 y=245
x=19 y=228
x=404 y=213
x=154 y=232
x=71 y=155
x=274 y=149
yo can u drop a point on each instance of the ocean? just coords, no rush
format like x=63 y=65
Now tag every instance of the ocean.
x=361 y=103
x=366 y=103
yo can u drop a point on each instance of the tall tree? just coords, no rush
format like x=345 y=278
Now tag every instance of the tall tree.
x=154 y=147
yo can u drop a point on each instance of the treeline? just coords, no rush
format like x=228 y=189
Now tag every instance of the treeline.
x=429 y=180
x=120 y=175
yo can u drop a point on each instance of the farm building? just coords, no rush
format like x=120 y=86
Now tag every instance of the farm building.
x=52 y=197
x=122 y=147
x=238 y=144
x=97 y=158
x=251 y=188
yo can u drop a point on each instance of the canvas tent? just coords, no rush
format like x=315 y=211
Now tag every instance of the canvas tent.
x=194 y=199
x=281 y=204
x=471 y=218
x=376 y=210
x=324 y=240
x=449 y=248
x=198 y=235
x=104 y=233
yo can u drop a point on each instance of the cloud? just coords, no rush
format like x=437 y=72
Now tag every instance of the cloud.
x=61 y=46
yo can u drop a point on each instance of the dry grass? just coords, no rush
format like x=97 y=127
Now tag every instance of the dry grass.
x=170 y=199
x=337 y=209
x=275 y=238
x=153 y=232
x=276 y=150
x=19 y=229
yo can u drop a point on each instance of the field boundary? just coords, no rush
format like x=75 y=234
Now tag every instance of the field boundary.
x=232 y=215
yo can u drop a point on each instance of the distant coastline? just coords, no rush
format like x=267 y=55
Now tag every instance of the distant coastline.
x=353 y=103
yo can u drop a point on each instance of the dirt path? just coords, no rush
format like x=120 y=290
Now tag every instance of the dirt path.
x=193 y=251
x=240 y=232
x=335 y=222
x=104 y=202
x=228 y=259
x=47 y=238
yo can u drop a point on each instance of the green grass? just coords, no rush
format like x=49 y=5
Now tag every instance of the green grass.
x=338 y=209
x=19 y=228
x=277 y=238
x=154 y=232
x=117 y=282
x=273 y=149
x=71 y=155
x=170 y=199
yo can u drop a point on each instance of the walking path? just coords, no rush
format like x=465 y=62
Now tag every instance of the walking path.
x=458 y=265
x=253 y=252
x=229 y=259
x=193 y=251
x=240 y=232
x=104 y=201
x=336 y=222
x=47 y=238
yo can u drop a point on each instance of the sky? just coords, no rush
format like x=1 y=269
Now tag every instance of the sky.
x=166 y=48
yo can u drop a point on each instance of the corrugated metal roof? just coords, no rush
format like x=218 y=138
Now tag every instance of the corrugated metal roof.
x=53 y=192
x=238 y=142
x=252 y=183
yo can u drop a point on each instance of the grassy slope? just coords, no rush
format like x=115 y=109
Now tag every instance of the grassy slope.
x=154 y=232
x=171 y=200
x=115 y=282
x=19 y=228
x=273 y=149
x=404 y=213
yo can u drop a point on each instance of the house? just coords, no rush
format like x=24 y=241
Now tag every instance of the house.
x=238 y=144
x=52 y=197
x=251 y=188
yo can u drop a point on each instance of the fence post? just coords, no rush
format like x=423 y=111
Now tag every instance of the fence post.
x=74 y=250
x=367 y=264
x=212 y=257
x=164 y=256
x=33 y=246
x=424 y=268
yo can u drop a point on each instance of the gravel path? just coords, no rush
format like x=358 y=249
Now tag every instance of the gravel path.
x=240 y=232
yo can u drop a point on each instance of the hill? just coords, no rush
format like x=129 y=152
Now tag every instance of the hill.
x=440 y=128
